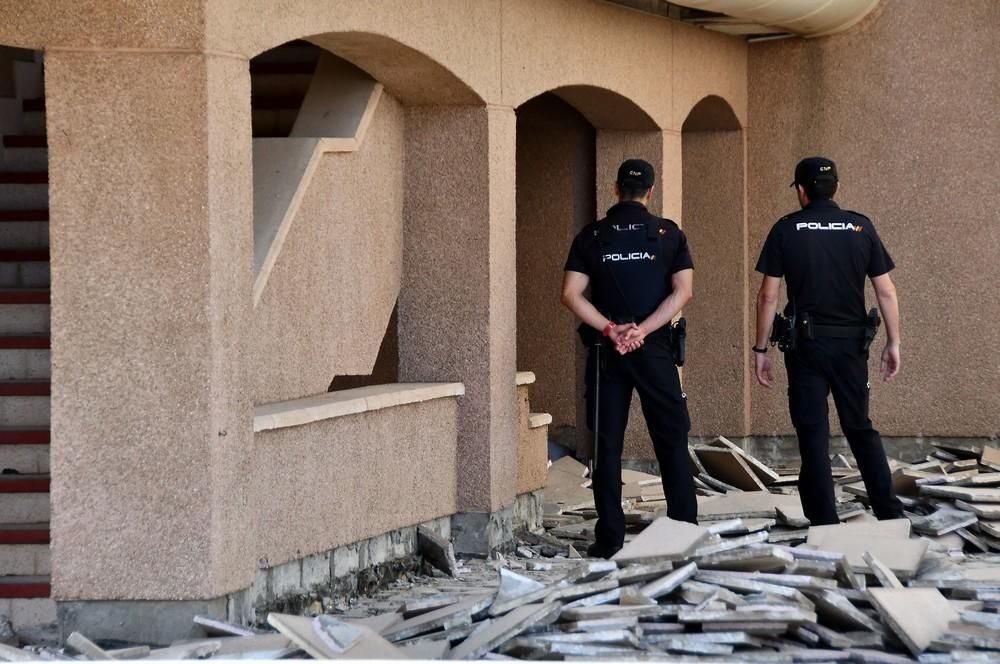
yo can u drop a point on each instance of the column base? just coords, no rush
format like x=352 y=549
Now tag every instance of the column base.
x=478 y=534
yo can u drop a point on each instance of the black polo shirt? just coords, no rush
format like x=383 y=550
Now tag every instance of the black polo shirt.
x=642 y=267
x=825 y=253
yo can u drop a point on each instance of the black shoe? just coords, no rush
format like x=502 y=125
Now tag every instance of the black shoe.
x=597 y=550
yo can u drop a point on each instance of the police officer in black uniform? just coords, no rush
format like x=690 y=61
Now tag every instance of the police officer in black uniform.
x=825 y=254
x=640 y=273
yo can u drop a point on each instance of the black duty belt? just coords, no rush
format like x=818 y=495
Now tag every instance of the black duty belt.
x=839 y=331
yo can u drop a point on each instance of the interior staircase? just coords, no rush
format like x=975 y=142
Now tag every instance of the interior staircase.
x=25 y=369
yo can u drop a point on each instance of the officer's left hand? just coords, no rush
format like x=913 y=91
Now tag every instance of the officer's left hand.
x=762 y=369
x=633 y=339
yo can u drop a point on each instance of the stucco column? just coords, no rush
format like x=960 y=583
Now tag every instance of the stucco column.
x=149 y=157
x=457 y=303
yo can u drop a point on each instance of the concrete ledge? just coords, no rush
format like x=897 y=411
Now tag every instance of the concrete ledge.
x=525 y=378
x=536 y=420
x=326 y=406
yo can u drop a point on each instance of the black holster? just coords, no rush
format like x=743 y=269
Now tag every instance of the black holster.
x=784 y=333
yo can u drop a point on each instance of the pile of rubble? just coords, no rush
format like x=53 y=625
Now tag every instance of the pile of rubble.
x=752 y=582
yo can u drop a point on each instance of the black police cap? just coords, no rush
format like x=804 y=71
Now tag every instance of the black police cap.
x=814 y=169
x=636 y=174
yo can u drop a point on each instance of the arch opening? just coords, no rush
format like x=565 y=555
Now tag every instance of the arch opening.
x=556 y=198
x=714 y=220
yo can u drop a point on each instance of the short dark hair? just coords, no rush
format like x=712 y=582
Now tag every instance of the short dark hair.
x=632 y=193
x=820 y=190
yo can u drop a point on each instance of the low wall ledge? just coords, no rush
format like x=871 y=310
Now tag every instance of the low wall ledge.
x=348 y=402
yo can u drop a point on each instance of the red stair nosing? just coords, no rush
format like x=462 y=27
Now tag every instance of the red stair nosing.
x=25 y=436
x=24 y=255
x=24 y=215
x=25 y=388
x=33 y=342
x=25 y=296
x=15 y=483
x=25 y=534
x=24 y=177
x=25 y=141
x=30 y=588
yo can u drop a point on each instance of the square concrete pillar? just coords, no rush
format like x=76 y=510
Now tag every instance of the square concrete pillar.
x=149 y=157
x=457 y=303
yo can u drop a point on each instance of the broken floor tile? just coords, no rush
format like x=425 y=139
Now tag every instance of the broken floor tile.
x=730 y=467
x=884 y=575
x=503 y=629
x=902 y=556
x=445 y=618
x=837 y=611
x=670 y=582
x=662 y=539
x=968 y=494
x=917 y=616
x=760 y=557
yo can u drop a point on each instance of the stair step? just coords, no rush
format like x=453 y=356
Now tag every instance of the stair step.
x=29 y=341
x=24 y=255
x=24 y=296
x=24 y=215
x=24 y=587
x=25 y=436
x=23 y=483
x=24 y=533
x=25 y=388
x=36 y=105
x=22 y=141
x=24 y=177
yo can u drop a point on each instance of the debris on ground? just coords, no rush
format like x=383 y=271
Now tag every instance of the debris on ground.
x=752 y=582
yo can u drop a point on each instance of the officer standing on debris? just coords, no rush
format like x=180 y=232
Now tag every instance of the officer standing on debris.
x=824 y=254
x=640 y=272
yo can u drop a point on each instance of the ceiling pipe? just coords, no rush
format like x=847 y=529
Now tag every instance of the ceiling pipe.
x=808 y=18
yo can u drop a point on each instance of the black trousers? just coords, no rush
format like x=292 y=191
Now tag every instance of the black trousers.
x=650 y=371
x=816 y=368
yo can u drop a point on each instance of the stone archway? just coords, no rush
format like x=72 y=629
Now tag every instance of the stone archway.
x=713 y=186
x=569 y=144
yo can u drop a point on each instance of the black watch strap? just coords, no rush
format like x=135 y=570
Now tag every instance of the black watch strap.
x=759 y=350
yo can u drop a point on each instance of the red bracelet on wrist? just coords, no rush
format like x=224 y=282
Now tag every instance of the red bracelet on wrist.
x=608 y=328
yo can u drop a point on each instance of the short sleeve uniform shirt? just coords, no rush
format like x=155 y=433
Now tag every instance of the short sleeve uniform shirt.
x=825 y=254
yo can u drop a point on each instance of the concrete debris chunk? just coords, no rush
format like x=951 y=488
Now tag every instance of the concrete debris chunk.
x=438 y=552
x=943 y=521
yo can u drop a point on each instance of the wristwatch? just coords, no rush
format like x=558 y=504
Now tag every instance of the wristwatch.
x=759 y=350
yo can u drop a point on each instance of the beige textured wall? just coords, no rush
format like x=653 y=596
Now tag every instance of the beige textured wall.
x=151 y=251
x=337 y=481
x=153 y=335
x=457 y=311
x=340 y=266
x=555 y=199
x=715 y=371
x=906 y=106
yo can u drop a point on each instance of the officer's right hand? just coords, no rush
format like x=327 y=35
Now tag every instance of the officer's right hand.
x=890 y=362
x=762 y=369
